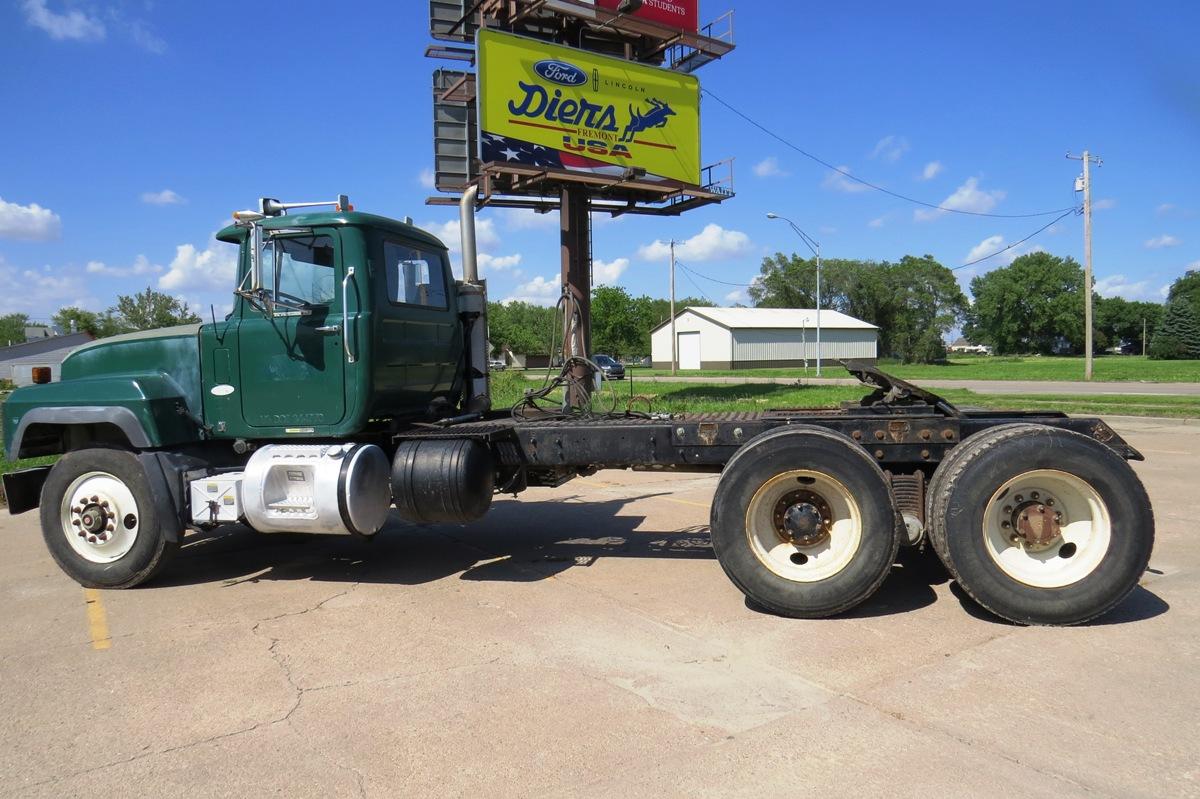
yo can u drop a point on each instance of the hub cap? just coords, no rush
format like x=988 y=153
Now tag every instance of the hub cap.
x=100 y=517
x=804 y=525
x=1047 y=528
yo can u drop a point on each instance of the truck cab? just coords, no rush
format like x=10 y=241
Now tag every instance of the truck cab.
x=342 y=323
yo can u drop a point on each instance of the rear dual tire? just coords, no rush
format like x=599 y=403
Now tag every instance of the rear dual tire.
x=988 y=492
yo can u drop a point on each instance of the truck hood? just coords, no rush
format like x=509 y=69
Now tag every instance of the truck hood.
x=171 y=351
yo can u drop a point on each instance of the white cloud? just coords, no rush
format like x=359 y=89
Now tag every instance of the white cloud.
x=736 y=296
x=68 y=25
x=1107 y=204
x=28 y=222
x=140 y=266
x=967 y=197
x=526 y=219
x=164 y=197
x=40 y=292
x=711 y=244
x=426 y=178
x=1120 y=286
x=448 y=232
x=1159 y=242
x=877 y=222
x=890 y=148
x=606 y=273
x=144 y=37
x=213 y=268
x=931 y=170
x=539 y=291
x=837 y=181
x=988 y=245
x=497 y=263
x=769 y=168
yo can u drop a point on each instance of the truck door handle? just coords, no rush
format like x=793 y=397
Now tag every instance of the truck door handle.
x=329 y=330
x=346 y=312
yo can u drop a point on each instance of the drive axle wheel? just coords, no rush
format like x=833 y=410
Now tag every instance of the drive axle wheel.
x=100 y=521
x=1040 y=525
x=804 y=522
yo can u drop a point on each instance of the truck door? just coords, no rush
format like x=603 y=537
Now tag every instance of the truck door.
x=291 y=361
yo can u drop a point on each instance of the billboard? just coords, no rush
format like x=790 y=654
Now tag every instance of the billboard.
x=676 y=13
x=556 y=107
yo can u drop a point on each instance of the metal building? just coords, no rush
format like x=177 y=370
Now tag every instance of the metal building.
x=750 y=338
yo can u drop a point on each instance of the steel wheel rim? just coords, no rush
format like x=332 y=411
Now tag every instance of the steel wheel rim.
x=1085 y=532
x=796 y=562
x=99 y=517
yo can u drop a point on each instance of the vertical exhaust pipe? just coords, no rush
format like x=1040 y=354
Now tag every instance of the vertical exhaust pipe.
x=472 y=308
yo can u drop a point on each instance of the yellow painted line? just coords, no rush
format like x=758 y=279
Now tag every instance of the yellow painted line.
x=687 y=502
x=97 y=619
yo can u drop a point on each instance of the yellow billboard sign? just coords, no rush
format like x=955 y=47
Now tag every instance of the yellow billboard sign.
x=559 y=108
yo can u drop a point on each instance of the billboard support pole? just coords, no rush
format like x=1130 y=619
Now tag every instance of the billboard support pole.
x=575 y=231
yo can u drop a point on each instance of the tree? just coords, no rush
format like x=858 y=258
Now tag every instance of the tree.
x=521 y=327
x=150 y=310
x=1035 y=304
x=615 y=322
x=1187 y=287
x=914 y=303
x=1118 y=322
x=12 y=328
x=1178 y=335
x=925 y=303
x=77 y=320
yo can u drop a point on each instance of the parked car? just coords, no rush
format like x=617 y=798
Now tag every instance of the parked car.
x=612 y=370
x=497 y=364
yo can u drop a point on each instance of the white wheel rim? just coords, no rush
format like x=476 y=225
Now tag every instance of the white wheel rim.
x=100 y=517
x=797 y=562
x=1085 y=529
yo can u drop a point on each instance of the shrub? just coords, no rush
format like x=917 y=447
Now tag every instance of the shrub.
x=1178 y=335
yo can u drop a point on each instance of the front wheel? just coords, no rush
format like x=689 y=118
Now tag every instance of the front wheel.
x=100 y=521
x=804 y=523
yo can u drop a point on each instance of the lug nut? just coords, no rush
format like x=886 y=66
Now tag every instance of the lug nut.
x=1006 y=524
x=104 y=504
x=1041 y=508
x=1019 y=498
x=82 y=534
x=1050 y=501
x=1008 y=508
x=75 y=522
x=1034 y=495
x=91 y=539
x=95 y=499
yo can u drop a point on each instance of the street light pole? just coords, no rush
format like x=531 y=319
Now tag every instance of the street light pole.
x=815 y=246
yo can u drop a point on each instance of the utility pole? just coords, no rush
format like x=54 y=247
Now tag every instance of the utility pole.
x=1087 y=159
x=674 y=355
x=1143 y=337
x=815 y=247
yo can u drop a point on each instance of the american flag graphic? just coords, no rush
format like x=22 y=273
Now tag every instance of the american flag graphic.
x=506 y=149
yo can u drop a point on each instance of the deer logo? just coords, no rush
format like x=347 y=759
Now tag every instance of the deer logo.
x=656 y=117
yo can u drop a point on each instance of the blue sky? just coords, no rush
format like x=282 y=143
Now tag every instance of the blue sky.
x=133 y=128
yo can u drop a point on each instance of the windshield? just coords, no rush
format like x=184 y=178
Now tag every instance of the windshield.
x=604 y=360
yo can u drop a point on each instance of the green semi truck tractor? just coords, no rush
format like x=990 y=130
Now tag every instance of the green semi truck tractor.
x=350 y=382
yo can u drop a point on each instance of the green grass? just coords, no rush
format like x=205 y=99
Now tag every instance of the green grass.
x=672 y=397
x=1117 y=368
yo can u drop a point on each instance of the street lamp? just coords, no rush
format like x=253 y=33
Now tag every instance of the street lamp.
x=815 y=246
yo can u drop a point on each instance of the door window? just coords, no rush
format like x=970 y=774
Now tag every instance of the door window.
x=414 y=276
x=299 y=270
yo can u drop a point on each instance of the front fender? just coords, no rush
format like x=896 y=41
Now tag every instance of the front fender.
x=148 y=410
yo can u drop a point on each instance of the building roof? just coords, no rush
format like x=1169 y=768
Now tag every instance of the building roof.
x=43 y=345
x=775 y=318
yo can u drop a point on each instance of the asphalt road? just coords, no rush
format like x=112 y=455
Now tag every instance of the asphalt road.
x=584 y=642
x=1079 y=388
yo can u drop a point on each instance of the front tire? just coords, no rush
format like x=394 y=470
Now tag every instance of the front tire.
x=100 y=521
x=804 y=523
x=1040 y=525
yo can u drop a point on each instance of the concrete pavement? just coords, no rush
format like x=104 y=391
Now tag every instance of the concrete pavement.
x=584 y=642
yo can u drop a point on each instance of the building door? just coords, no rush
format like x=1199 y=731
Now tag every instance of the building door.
x=689 y=350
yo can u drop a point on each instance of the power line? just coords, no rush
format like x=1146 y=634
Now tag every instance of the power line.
x=695 y=285
x=868 y=183
x=1016 y=243
x=713 y=279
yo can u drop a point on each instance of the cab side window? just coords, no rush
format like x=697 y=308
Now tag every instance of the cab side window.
x=302 y=270
x=414 y=276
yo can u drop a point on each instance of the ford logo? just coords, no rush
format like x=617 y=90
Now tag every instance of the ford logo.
x=561 y=72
